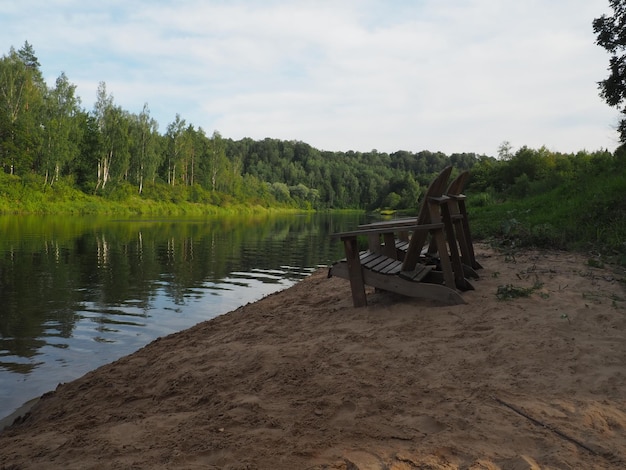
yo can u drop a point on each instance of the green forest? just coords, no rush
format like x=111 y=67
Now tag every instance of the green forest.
x=59 y=157
x=50 y=142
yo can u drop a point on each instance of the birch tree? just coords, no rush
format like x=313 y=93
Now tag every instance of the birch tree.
x=61 y=129
x=145 y=157
x=218 y=163
x=20 y=104
x=113 y=126
x=175 y=145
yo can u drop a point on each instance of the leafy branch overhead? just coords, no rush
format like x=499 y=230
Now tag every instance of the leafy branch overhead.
x=611 y=35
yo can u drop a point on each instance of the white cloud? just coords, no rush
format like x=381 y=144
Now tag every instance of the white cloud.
x=454 y=76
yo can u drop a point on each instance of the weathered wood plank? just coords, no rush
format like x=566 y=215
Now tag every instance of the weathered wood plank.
x=393 y=268
x=419 y=273
x=412 y=289
x=395 y=283
x=357 y=284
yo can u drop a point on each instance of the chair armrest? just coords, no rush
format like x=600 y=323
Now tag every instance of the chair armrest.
x=379 y=230
x=390 y=223
x=439 y=199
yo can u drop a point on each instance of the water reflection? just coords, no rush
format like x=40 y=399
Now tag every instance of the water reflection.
x=79 y=292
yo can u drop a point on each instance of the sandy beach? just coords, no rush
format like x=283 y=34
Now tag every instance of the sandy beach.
x=302 y=380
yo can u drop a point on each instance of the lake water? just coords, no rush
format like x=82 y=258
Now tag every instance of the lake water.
x=77 y=292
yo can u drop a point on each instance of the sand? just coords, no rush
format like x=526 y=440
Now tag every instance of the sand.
x=302 y=380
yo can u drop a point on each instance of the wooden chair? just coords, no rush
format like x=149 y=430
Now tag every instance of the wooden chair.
x=457 y=228
x=450 y=212
x=380 y=266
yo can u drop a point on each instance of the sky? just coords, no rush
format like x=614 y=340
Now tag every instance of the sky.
x=450 y=76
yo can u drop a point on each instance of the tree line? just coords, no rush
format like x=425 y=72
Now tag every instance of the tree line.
x=47 y=136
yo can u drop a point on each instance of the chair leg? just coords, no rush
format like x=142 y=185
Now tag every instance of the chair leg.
x=446 y=266
x=357 y=286
x=466 y=254
x=468 y=237
x=459 y=274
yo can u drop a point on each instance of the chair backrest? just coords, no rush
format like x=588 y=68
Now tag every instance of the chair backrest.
x=436 y=189
x=458 y=184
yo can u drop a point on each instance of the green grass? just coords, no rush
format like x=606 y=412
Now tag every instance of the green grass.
x=586 y=215
x=31 y=196
x=510 y=292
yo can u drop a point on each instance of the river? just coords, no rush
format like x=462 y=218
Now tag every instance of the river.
x=79 y=292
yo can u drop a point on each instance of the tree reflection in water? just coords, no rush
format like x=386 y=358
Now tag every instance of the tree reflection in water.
x=78 y=292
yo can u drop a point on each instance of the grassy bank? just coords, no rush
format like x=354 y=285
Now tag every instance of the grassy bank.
x=585 y=215
x=31 y=196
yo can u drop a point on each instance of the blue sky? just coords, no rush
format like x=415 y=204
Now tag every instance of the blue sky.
x=453 y=76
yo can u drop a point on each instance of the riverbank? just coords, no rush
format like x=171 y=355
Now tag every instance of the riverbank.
x=301 y=379
x=31 y=196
